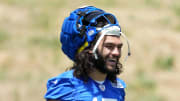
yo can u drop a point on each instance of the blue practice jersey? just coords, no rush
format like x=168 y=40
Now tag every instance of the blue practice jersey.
x=66 y=87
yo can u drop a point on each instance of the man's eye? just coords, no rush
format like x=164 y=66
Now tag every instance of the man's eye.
x=109 y=47
x=120 y=47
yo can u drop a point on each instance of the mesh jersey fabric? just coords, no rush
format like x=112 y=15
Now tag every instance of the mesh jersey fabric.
x=66 y=87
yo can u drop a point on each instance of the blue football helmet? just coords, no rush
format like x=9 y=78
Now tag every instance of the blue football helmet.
x=79 y=29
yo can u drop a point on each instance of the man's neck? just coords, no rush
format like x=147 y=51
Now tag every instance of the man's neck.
x=98 y=76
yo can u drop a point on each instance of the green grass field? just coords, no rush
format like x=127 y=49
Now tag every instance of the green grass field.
x=30 y=52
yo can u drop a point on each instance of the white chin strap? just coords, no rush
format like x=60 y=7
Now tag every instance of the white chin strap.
x=111 y=30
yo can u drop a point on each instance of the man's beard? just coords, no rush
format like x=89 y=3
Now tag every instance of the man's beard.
x=101 y=66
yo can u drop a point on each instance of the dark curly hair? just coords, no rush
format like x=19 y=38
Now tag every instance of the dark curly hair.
x=85 y=62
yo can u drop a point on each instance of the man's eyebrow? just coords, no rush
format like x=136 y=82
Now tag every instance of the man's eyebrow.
x=109 y=43
x=121 y=44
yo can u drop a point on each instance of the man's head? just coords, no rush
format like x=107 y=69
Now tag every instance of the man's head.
x=91 y=38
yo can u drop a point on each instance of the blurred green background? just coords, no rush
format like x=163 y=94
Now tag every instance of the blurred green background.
x=30 y=52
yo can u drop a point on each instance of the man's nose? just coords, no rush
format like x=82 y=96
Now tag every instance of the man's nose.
x=115 y=52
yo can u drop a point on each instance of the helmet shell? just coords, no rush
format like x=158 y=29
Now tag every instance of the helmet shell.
x=74 y=32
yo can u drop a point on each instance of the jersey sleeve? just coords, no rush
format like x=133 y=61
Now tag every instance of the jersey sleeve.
x=121 y=84
x=59 y=89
